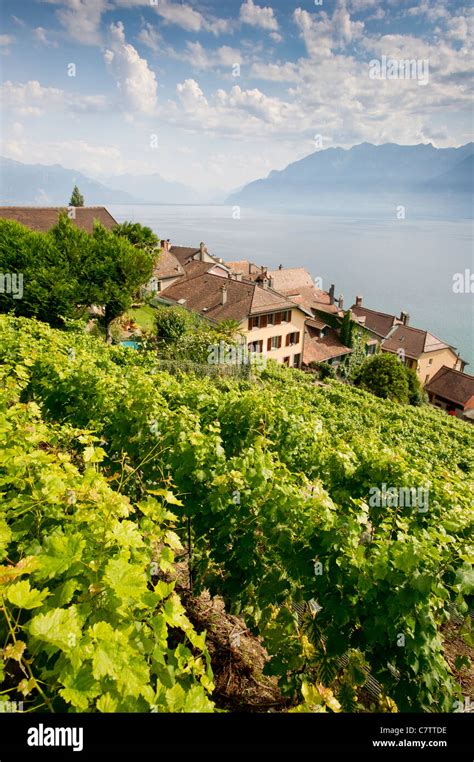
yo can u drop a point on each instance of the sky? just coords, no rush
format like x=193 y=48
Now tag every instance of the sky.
x=216 y=93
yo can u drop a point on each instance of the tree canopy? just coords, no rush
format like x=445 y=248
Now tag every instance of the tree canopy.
x=67 y=268
x=77 y=199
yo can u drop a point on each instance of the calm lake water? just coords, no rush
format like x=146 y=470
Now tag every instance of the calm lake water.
x=395 y=264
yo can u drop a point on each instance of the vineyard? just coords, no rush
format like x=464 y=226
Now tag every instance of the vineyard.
x=111 y=469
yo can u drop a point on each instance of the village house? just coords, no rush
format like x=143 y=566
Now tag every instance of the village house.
x=172 y=261
x=421 y=351
x=271 y=324
x=43 y=218
x=453 y=391
x=418 y=349
x=376 y=325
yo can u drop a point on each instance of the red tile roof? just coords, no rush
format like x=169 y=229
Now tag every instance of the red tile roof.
x=379 y=323
x=320 y=350
x=43 y=218
x=413 y=341
x=203 y=294
x=452 y=385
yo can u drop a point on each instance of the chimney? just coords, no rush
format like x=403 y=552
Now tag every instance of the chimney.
x=238 y=276
x=358 y=301
x=165 y=245
x=202 y=251
x=405 y=318
x=331 y=294
x=341 y=301
x=223 y=295
x=280 y=267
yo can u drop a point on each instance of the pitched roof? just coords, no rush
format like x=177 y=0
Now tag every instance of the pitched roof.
x=297 y=284
x=413 y=341
x=248 y=269
x=291 y=279
x=378 y=322
x=453 y=385
x=43 y=218
x=168 y=266
x=320 y=350
x=203 y=294
x=184 y=254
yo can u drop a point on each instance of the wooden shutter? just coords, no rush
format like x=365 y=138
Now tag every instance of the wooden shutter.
x=278 y=318
x=297 y=339
x=263 y=321
x=261 y=345
x=269 y=344
x=279 y=342
x=288 y=337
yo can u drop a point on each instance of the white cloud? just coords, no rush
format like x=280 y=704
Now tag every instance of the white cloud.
x=81 y=19
x=181 y=15
x=323 y=34
x=202 y=58
x=135 y=80
x=41 y=35
x=287 y=72
x=150 y=37
x=191 y=95
x=32 y=99
x=5 y=41
x=255 y=15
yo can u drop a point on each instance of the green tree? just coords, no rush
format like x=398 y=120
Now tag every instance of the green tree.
x=385 y=376
x=346 y=329
x=140 y=236
x=49 y=284
x=116 y=269
x=417 y=396
x=77 y=199
x=174 y=322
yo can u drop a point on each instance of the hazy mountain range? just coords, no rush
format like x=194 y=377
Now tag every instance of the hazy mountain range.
x=325 y=176
x=365 y=169
x=51 y=185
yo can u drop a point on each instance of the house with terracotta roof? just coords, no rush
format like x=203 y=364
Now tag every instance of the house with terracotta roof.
x=294 y=282
x=421 y=351
x=322 y=344
x=272 y=324
x=173 y=262
x=375 y=325
x=43 y=218
x=453 y=391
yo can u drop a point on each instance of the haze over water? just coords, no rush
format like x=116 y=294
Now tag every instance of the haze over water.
x=394 y=264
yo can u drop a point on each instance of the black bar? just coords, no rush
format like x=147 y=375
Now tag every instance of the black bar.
x=443 y=735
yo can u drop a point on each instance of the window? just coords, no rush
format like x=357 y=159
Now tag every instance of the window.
x=297 y=361
x=286 y=316
x=286 y=360
x=292 y=339
x=256 y=346
x=430 y=361
x=273 y=343
x=254 y=322
x=270 y=319
x=427 y=378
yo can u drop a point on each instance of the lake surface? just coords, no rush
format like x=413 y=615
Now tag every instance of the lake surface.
x=395 y=264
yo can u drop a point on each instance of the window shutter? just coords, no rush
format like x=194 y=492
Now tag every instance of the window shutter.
x=269 y=344
x=279 y=342
x=261 y=345
x=297 y=339
x=263 y=321
x=278 y=318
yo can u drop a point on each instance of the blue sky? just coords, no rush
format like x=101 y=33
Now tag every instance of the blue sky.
x=217 y=93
